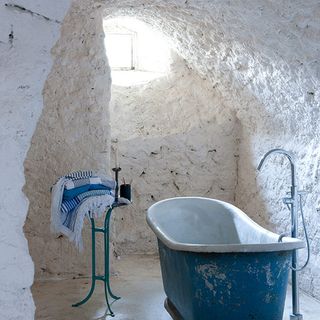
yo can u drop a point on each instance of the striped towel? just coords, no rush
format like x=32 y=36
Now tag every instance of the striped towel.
x=67 y=216
x=68 y=205
x=94 y=193
x=72 y=184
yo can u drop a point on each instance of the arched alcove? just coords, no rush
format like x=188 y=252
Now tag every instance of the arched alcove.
x=271 y=88
x=171 y=131
x=249 y=96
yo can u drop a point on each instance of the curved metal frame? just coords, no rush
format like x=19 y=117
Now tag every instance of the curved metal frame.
x=106 y=277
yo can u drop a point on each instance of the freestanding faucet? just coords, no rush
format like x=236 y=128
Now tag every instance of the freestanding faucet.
x=292 y=202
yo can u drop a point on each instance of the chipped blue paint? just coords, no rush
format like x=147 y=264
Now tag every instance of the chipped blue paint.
x=225 y=286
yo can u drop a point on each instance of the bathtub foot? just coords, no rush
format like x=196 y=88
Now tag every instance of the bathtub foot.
x=171 y=309
x=296 y=317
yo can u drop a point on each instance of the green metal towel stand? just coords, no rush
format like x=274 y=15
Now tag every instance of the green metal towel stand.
x=106 y=277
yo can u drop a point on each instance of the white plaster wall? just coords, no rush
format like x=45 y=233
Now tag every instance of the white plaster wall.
x=175 y=138
x=24 y=65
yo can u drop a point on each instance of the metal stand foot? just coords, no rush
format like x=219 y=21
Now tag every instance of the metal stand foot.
x=105 y=277
x=296 y=317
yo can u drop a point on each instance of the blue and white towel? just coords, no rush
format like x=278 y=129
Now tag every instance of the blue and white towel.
x=67 y=215
x=94 y=180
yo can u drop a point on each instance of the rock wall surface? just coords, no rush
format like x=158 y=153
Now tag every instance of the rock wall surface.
x=26 y=37
x=175 y=138
x=72 y=134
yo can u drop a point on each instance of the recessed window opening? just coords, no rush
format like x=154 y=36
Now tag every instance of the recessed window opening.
x=120 y=48
x=137 y=53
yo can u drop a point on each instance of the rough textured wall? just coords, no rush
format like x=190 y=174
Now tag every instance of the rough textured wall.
x=72 y=134
x=263 y=57
x=25 y=42
x=176 y=138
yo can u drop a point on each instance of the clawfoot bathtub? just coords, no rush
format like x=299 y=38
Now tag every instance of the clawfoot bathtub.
x=218 y=264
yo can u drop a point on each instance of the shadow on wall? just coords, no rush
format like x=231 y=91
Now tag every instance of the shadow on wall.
x=260 y=133
x=248 y=195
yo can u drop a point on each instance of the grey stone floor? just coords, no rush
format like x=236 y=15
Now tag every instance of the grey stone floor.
x=139 y=284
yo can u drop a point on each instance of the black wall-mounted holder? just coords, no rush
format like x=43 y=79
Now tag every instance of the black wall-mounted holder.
x=125 y=191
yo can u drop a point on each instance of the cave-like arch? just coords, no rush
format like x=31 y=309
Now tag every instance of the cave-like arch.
x=267 y=86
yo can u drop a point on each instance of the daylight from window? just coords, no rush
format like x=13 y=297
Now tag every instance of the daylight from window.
x=136 y=52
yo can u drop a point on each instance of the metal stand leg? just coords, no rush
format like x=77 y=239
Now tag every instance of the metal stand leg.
x=107 y=253
x=106 y=277
x=93 y=266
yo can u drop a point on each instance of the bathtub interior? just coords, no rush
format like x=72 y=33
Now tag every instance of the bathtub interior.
x=202 y=221
x=190 y=221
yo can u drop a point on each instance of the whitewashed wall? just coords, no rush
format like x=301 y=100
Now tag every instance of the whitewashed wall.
x=25 y=43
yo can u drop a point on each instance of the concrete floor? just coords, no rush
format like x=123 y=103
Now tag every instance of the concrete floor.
x=139 y=284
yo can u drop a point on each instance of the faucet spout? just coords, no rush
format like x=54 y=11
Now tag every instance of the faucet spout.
x=289 y=156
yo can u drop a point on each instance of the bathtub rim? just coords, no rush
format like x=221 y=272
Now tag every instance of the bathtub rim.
x=287 y=244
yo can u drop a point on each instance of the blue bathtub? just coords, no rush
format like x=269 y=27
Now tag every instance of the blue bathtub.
x=217 y=264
